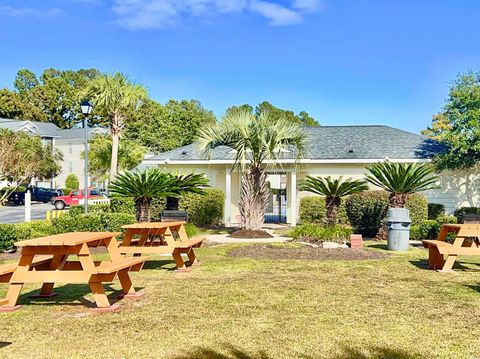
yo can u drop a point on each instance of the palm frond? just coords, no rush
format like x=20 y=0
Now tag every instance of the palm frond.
x=402 y=178
x=327 y=186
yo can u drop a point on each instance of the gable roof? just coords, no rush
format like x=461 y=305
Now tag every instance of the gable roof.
x=47 y=129
x=335 y=143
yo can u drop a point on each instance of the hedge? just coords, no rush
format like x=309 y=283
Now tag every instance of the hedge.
x=312 y=210
x=435 y=210
x=459 y=212
x=366 y=210
x=318 y=233
x=430 y=228
x=91 y=222
x=204 y=210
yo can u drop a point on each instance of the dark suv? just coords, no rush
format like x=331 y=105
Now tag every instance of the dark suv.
x=39 y=194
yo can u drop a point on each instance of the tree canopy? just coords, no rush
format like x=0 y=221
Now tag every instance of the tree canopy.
x=457 y=125
x=165 y=127
x=275 y=113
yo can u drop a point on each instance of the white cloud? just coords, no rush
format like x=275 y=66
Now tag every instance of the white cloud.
x=29 y=12
x=308 y=5
x=148 y=14
x=277 y=14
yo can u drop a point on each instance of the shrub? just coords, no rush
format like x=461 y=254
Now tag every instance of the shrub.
x=312 y=210
x=72 y=182
x=156 y=208
x=122 y=205
x=66 y=191
x=430 y=229
x=96 y=208
x=435 y=210
x=92 y=222
x=191 y=230
x=204 y=209
x=8 y=236
x=319 y=233
x=366 y=210
x=459 y=212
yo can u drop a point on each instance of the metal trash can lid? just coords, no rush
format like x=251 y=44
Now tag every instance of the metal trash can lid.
x=398 y=215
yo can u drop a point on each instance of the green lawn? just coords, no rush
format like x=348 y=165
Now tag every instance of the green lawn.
x=244 y=308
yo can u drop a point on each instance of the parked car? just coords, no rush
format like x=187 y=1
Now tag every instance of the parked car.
x=38 y=194
x=74 y=198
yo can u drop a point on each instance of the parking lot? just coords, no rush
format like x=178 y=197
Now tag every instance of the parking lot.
x=16 y=214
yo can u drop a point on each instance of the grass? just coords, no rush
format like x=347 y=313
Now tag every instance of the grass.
x=243 y=308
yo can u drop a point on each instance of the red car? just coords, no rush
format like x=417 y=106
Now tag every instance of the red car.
x=74 y=198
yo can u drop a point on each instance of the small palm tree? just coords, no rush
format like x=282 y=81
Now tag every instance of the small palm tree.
x=333 y=190
x=116 y=96
x=401 y=179
x=254 y=139
x=144 y=186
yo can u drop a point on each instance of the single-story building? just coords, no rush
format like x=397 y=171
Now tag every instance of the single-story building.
x=333 y=151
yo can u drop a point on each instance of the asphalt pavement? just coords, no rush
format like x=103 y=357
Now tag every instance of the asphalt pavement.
x=16 y=214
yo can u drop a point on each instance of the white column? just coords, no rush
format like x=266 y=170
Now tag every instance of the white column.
x=228 y=197
x=293 y=198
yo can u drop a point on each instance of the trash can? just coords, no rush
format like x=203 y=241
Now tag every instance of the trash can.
x=398 y=227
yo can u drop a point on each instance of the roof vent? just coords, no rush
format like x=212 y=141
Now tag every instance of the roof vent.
x=350 y=151
x=184 y=153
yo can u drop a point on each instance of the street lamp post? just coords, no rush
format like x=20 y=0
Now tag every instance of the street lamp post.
x=86 y=109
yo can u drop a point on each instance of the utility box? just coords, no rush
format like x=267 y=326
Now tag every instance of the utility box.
x=398 y=228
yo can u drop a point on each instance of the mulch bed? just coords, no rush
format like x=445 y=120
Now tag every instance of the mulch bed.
x=248 y=233
x=265 y=251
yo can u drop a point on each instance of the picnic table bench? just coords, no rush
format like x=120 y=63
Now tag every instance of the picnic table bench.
x=159 y=238
x=45 y=260
x=442 y=255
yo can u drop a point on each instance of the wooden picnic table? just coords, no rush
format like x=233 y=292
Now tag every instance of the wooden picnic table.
x=161 y=238
x=442 y=255
x=46 y=260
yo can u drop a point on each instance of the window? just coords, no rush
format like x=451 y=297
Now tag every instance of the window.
x=70 y=167
x=70 y=148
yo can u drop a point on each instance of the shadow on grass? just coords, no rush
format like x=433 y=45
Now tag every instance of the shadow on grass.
x=347 y=353
x=160 y=264
x=458 y=266
x=475 y=288
x=71 y=295
x=4 y=344
x=378 y=246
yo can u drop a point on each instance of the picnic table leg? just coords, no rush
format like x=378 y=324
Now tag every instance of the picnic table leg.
x=192 y=258
x=47 y=288
x=15 y=288
x=177 y=257
x=127 y=286
x=103 y=305
x=435 y=259
x=448 y=264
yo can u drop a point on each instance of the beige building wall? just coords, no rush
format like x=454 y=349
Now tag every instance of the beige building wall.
x=72 y=160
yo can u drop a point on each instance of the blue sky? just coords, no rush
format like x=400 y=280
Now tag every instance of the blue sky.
x=343 y=61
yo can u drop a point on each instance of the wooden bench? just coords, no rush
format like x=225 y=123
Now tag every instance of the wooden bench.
x=134 y=264
x=7 y=270
x=442 y=255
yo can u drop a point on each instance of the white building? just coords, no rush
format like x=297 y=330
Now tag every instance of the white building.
x=70 y=142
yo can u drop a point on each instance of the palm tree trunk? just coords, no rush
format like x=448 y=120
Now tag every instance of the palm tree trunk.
x=398 y=200
x=254 y=198
x=142 y=206
x=115 y=127
x=331 y=204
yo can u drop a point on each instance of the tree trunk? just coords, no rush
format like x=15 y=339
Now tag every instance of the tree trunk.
x=115 y=127
x=253 y=198
x=332 y=204
x=398 y=200
x=142 y=206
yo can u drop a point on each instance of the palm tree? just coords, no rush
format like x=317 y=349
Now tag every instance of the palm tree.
x=253 y=139
x=401 y=179
x=333 y=190
x=144 y=186
x=116 y=96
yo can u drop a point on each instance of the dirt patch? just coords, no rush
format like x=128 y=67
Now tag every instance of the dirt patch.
x=248 y=233
x=9 y=256
x=266 y=251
